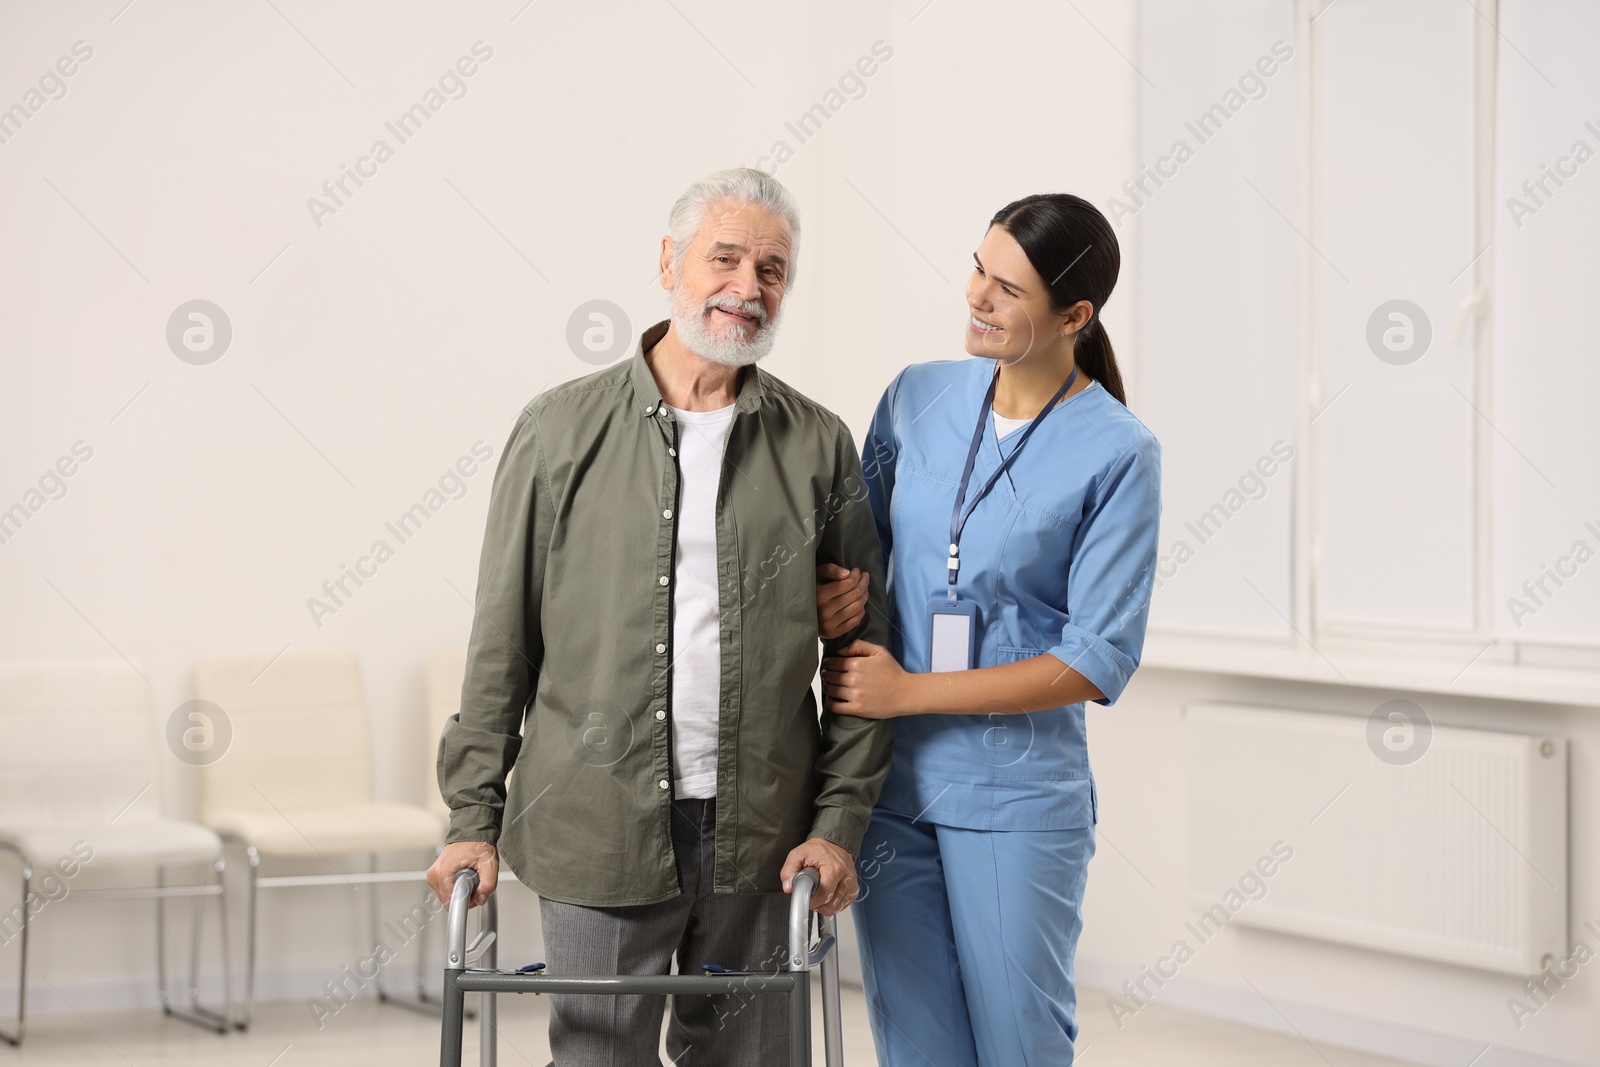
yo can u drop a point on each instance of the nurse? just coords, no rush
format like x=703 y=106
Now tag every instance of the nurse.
x=1018 y=501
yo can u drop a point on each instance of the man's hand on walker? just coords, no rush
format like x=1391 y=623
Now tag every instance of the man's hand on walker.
x=836 y=874
x=458 y=856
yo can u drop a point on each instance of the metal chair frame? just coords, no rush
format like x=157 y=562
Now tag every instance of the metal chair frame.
x=196 y=1013
x=371 y=878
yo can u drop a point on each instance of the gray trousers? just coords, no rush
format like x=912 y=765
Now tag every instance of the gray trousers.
x=736 y=931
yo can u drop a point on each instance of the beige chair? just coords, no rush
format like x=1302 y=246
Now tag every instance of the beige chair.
x=80 y=789
x=297 y=781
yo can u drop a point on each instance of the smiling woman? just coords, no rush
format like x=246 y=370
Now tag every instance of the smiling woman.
x=1035 y=553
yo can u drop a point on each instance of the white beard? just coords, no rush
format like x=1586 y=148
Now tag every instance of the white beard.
x=698 y=337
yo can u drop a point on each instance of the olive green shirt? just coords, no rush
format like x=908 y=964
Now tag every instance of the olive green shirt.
x=568 y=675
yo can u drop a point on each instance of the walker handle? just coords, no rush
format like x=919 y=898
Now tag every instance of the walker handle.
x=455 y=955
x=805 y=883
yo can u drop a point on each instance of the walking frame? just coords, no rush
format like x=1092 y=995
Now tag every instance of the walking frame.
x=461 y=978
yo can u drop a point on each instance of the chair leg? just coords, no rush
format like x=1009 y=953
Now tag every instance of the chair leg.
x=161 y=941
x=194 y=952
x=422 y=952
x=420 y=1004
x=372 y=925
x=252 y=873
x=15 y=1037
x=254 y=865
x=221 y=1021
x=195 y=1013
x=223 y=936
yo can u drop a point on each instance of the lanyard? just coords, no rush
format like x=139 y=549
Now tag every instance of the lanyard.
x=958 y=516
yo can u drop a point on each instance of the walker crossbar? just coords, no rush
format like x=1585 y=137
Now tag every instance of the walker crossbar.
x=461 y=978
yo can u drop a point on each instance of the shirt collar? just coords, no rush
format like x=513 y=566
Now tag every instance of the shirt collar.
x=648 y=395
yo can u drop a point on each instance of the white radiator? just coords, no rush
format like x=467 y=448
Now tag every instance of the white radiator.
x=1459 y=856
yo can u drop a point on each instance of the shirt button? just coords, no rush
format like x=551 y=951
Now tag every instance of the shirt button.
x=661 y=715
x=662 y=783
x=649 y=409
x=667 y=514
x=672 y=451
x=661 y=648
x=662 y=580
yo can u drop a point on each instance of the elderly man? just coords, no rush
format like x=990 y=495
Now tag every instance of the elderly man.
x=646 y=606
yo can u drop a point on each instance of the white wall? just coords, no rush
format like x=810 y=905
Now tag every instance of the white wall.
x=372 y=351
x=1418 y=487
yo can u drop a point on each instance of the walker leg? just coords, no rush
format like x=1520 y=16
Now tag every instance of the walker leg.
x=799 y=946
x=800 y=1020
x=488 y=1036
x=832 y=1024
x=450 y=1039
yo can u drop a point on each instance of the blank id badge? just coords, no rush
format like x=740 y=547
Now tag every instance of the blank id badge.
x=953 y=645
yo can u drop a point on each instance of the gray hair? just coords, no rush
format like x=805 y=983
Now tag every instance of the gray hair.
x=741 y=185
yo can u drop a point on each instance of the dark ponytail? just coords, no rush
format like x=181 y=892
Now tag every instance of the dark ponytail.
x=1075 y=251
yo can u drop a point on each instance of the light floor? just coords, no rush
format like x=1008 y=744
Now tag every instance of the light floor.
x=285 y=1035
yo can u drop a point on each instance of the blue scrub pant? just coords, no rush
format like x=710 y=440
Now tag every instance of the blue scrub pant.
x=967 y=939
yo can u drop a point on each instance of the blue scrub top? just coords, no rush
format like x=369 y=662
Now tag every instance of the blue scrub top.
x=1059 y=558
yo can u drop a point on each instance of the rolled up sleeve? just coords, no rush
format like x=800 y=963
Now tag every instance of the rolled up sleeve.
x=1112 y=571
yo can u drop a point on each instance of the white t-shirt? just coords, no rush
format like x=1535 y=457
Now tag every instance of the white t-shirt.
x=1004 y=426
x=696 y=621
